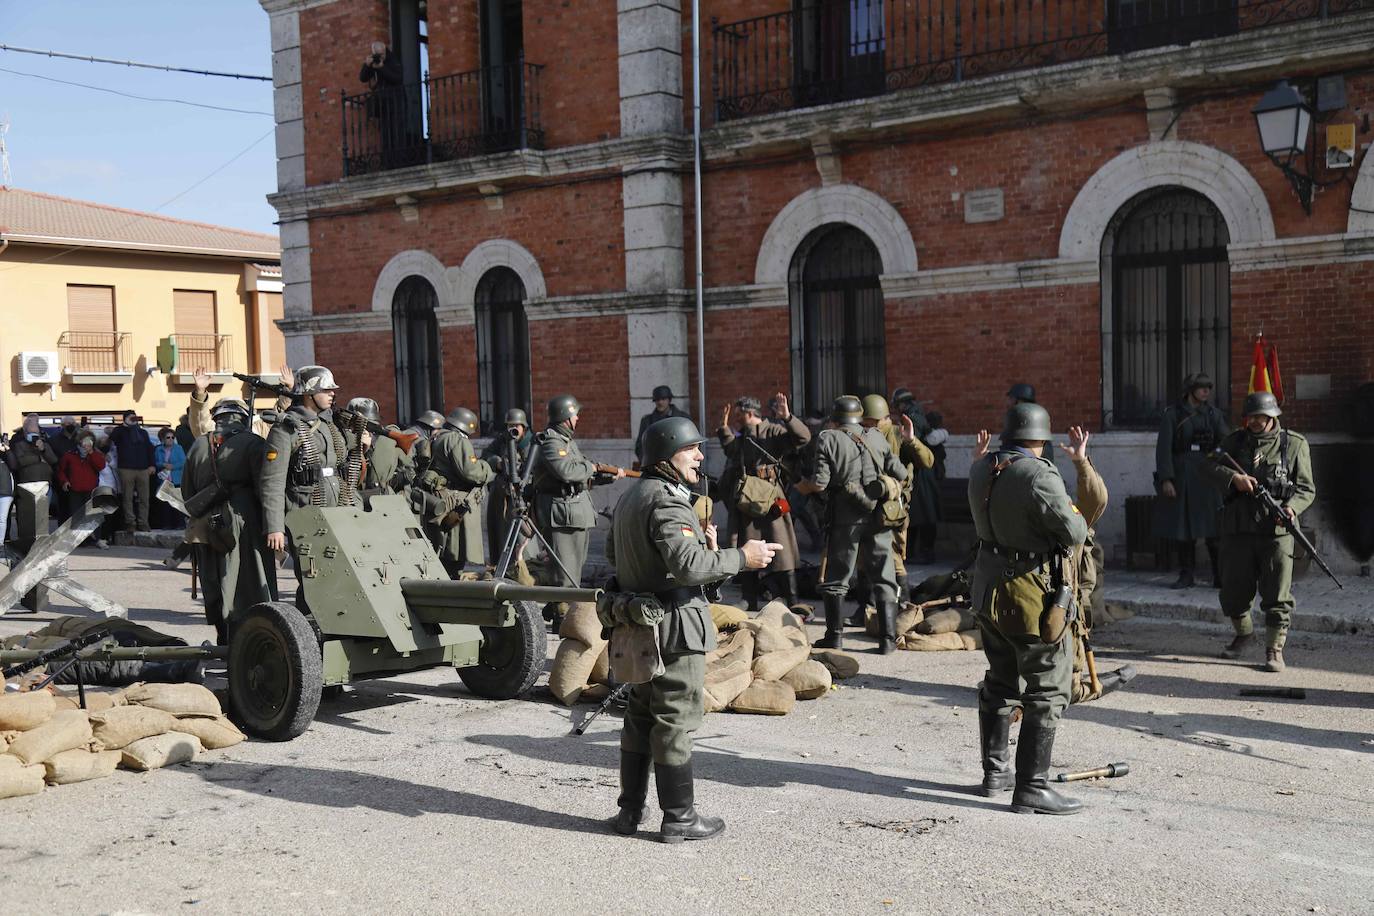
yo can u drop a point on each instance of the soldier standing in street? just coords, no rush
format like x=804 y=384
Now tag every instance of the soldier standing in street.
x=1028 y=530
x=304 y=460
x=425 y=426
x=913 y=455
x=453 y=458
x=1188 y=505
x=562 y=481
x=229 y=459
x=658 y=547
x=850 y=464
x=663 y=408
x=387 y=469
x=754 y=454
x=1255 y=552
x=498 y=454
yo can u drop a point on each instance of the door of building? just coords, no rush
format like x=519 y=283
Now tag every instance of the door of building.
x=415 y=337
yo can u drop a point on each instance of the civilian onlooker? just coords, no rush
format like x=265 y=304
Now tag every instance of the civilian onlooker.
x=136 y=462
x=62 y=442
x=31 y=457
x=185 y=438
x=6 y=489
x=926 y=512
x=169 y=458
x=109 y=477
x=78 y=474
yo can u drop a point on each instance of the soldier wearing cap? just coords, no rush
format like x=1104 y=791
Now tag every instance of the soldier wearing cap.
x=387 y=468
x=1020 y=393
x=1028 y=532
x=562 y=480
x=663 y=408
x=658 y=547
x=229 y=459
x=1188 y=504
x=1256 y=554
x=458 y=530
x=506 y=453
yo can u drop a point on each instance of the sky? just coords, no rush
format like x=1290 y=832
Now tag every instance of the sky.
x=143 y=155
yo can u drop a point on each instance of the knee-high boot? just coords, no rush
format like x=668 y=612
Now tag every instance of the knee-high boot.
x=834 y=625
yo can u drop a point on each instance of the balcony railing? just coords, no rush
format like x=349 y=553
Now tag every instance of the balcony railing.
x=492 y=110
x=825 y=51
x=212 y=352
x=96 y=351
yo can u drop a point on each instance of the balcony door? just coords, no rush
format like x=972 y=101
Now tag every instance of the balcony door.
x=1134 y=25
x=503 y=346
x=415 y=338
x=502 y=83
x=838 y=50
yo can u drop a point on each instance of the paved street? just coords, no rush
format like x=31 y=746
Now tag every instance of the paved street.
x=408 y=794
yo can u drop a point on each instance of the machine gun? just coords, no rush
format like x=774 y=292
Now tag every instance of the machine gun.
x=69 y=648
x=1279 y=516
x=258 y=383
x=520 y=517
x=618 y=695
x=405 y=440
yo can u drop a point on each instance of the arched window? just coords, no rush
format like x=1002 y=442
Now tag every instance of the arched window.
x=415 y=335
x=503 y=346
x=1167 y=310
x=837 y=318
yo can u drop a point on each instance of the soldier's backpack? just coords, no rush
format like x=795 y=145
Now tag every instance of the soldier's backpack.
x=884 y=489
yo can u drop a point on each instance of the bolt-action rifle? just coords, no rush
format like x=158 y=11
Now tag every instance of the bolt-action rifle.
x=258 y=383
x=405 y=440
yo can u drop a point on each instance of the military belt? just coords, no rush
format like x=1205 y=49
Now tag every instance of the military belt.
x=1015 y=556
x=676 y=597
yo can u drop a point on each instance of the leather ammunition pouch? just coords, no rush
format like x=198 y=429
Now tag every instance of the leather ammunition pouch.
x=756 y=496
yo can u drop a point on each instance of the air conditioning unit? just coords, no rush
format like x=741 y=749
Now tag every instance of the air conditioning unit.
x=39 y=368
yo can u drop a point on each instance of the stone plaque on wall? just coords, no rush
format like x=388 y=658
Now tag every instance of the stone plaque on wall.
x=984 y=206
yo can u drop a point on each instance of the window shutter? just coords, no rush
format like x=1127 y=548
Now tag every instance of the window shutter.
x=193 y=311
x=276 y=340
x=90 y=309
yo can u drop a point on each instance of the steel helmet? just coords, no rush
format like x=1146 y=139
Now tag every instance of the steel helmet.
x=367 y=409
x=1022 y=392
x=1261 y=403
x=846 y=409
x=902 y=395
x=563 y=407
x=516 y=415
x=310 y=379
x=1195 y=381
x=229 y=407
x=875 y=407
x=663 y=391
x=1027 y=422
x=665 y=438
x=463 y=420
x=431 y=418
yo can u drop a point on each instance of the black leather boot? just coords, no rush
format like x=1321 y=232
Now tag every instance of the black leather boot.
x=1033 y=794
x=681 y=821
x=1216 y=563
x=994 y=737
x=834 y=626
x=749 y=586
x=634 y=789
x=887 y=627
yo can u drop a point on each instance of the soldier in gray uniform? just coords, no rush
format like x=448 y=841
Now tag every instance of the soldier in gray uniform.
x=1188 y=505
x=663 y=408
x=453 y=458
x=506 y=454
x=562 y=481
x=849 y=463
x=387 y=469
x=303 y=463
x=425 y=426
x=658 y=546
x=1027 y=529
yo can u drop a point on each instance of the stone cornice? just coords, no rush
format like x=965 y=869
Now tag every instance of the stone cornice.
x=277 y=7
x=981 y=277
x=1300 y=252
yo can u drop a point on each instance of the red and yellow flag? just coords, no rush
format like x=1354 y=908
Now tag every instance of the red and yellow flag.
x=1264 y=369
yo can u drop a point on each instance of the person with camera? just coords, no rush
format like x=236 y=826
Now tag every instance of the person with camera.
x=136 y=465
x=78 y=473
x=506 y=455
x=381 y=69
x=31 y=457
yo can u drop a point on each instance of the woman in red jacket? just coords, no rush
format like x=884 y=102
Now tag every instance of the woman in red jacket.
x=78 y=473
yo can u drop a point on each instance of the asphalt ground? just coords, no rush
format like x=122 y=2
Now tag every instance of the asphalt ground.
x=410 y=794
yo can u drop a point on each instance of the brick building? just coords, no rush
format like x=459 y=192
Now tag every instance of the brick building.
x=950 y=195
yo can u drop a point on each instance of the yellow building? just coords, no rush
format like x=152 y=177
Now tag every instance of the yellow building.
x=87 y=292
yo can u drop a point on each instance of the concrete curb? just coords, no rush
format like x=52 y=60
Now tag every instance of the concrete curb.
x=1345 y=624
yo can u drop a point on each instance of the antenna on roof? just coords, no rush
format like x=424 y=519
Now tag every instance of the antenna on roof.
x=4 y=150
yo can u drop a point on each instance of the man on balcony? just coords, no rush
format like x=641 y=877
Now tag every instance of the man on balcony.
x=135 y=452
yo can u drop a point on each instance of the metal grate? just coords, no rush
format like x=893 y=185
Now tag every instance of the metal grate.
x=415 y=338
x=96 y=351
x=212 y=352
x=503 y=346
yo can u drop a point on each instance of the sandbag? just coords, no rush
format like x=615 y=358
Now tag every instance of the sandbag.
x=117 y=728
x=595 y=693
x=947 y=620
x=601 y=668
x=773 y=638
x=725 y=616
x=160 y=751
x=841 y=665
x=973 y=639
x=774 y=665
x=729 y=669
x=775 y=612
x=765 y=698
x=213 y=733
x=740 y=642
x=79 y=765
x=23 y=711
x=935 y=642
x=96 y=700
x=808 y=680
x=725 y=686
x=66 y=729
x=7 y=737
x=910 y=616
x=17 y=780
x=581 y=623
x=177 y=699
x=572 y=666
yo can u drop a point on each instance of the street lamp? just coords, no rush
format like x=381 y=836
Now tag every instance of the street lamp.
x=1284 y=122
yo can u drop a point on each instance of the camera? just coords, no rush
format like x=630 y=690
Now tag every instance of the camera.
x=376 y=60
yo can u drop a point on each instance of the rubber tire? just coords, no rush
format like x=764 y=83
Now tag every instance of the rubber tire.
x=276 y=624
x=518 y=674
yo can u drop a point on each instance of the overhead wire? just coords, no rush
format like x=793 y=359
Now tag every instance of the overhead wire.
x=130 y=95
x=132 y=63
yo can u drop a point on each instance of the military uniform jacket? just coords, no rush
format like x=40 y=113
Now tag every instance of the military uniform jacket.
x=656 y=545
x=453 y=457
x=388 y=468
x=562 y=480
x=1026 y=512
x=289 y=478
x=649 y=419
x=778 y=438
x=919 y=490
x=1261 y=458
x=1187 y=436
x=845 y=469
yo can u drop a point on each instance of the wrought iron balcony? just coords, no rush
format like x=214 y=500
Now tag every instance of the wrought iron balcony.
x=96 y=352
x=824 y=51
x=492 y=110
x=212 y=352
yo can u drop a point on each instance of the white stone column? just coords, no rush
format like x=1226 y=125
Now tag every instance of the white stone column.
x=657 y=349
x=295 y=233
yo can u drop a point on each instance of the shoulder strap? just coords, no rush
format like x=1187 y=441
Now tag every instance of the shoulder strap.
x=863 y=443
x=997 y=468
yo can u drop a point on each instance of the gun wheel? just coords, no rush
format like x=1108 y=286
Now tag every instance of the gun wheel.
x=275 y=672
x=511 y=658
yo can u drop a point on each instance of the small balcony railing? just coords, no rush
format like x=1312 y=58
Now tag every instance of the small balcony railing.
x=824 y=51
x=212 y=352
x=492 y=110
x=85 y=352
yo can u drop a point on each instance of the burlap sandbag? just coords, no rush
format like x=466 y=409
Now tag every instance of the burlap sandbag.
x=773 y=638
x=775 y=612
x=595 y=693
x=938 y=642
x=119 y=727
x=601 y=668
x=580 y=623
x=7 y=737
x=79 y=765
x=729 y=669
x=973 y=639
x=774 y=665
x=909 y=618
x=160 y=751
x=841 y=665
x=66 y=729
x=722 y=690
x=213 y=733
x=946 y=620
x=177 y=699
x=765 y=698
x=572 y=666
x=808 y=680
x=740 y=642
x=17 y=780
x=725 y=616
x=23 y=711
x=96 y=700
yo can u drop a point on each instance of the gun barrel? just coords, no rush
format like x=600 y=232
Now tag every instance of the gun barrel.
x=489 y=591
x=1110 y=771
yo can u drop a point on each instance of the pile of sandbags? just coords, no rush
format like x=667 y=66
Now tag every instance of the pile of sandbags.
x=766 y=664
x=45 y=737
x=582 y=665
x=934 y=626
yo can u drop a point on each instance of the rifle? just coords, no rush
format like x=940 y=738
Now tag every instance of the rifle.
x=405 y=440
x=258 y=383
x=611 y=470
x=69 y=648
x=1279 y=516
x=616 y=695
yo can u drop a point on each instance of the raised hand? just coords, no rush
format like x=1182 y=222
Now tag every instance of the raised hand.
x=202 y=380
x=908 y=428
x=1077 y=449
x=780 y=405
x=983 y=441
